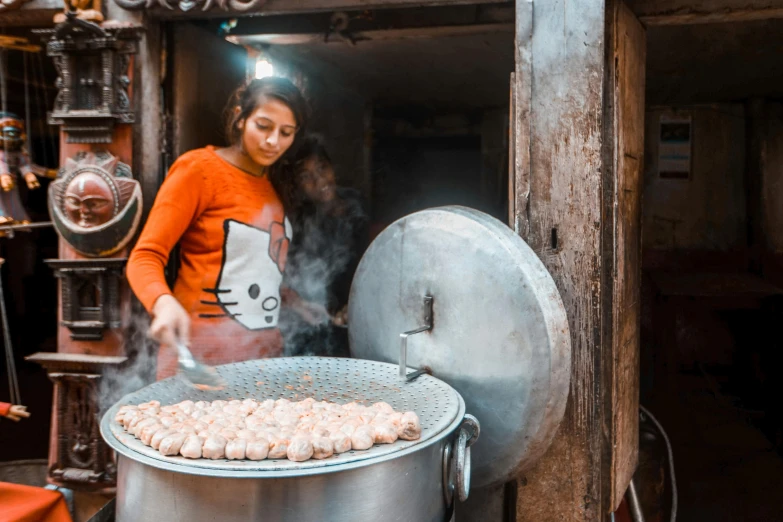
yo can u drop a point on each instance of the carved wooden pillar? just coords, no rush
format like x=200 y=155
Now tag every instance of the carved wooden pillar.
x=94 y=63
x=82 y=460
x=90 y=295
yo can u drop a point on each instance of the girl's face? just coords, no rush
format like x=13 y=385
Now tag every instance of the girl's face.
x=268 y=132
x=317 y=180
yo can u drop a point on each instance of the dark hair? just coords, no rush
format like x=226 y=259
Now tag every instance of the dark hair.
x=311 y=147
x=248 y=98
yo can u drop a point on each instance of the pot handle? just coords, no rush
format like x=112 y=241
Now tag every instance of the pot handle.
x=448 y=475
x=456 y=470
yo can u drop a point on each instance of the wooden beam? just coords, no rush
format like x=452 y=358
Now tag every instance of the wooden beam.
x=26 y=17
x=33 y=13
x=692 y=17
x=409 y=33
x=278 y=7
x=37 y=5
x=688 y=12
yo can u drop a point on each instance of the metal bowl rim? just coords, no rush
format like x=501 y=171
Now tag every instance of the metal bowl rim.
x=125 y=451
x=120 y=448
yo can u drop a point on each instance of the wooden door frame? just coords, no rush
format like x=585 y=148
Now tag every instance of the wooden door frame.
x=562 y=163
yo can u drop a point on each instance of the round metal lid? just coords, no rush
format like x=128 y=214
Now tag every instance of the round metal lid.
x=499 y=330
x=437 y=404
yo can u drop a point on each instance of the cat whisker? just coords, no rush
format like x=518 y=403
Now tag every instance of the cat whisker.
x=218 y=303
x=217 y=316
x=217 y=290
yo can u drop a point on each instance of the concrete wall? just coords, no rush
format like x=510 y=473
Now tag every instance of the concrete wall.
x=706 y=211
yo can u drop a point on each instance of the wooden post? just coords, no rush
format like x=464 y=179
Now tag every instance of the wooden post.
x=112 y=340
x=623 y=202
x=576 y=203
x=560 y=76
x=559 y=103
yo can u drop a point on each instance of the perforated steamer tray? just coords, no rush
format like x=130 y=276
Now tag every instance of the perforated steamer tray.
x=437 y=404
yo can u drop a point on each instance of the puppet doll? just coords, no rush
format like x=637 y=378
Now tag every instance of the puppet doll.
x=15 y=165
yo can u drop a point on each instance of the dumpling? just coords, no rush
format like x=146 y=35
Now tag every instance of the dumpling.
x=149 y=431
x=340 y=441
x=235 y=449
x=362 y=438
x=348 y=428
x=137 y=425
x=214 y=447
x=191 y=448
x=257 y=449
x=278 y=448
x=300 y=449
x=246 y=434
x=384 y=433
x=410 y=427
x=158 y=437
x=228 y=433
x=124 y=410
x=171 y=445
x=322 y=448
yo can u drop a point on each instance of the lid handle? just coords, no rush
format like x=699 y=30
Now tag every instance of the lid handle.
x=427 y=308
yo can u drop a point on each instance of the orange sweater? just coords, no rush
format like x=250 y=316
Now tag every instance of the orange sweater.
x=234 y=239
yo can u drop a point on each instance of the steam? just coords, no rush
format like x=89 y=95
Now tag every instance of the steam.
x=326 y=246
x=139 y=370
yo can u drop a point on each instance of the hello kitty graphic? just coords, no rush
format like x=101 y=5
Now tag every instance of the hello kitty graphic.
x=248 y=286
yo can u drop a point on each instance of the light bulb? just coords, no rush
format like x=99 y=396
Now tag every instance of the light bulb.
x=264 y=68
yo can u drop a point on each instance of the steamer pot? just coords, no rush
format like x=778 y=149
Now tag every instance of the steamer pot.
x=403 y=482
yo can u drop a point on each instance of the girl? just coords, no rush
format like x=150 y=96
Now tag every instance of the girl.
x=221 y=206
x=330 y=235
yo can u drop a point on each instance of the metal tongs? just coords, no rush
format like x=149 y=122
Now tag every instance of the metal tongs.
x=202 y=376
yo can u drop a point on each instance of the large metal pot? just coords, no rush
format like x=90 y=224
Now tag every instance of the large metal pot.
x=405 y=482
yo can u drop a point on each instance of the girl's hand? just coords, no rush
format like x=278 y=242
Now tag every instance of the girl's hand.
x=341 y=317
x=170 y=322
x=313 y=313
x=16 y=413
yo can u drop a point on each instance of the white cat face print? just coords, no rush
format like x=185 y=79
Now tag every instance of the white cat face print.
x=248 y=287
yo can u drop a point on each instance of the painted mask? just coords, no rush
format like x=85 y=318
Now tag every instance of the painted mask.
x=89 y=201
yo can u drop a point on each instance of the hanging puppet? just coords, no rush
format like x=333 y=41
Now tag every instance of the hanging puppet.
x=15 y=165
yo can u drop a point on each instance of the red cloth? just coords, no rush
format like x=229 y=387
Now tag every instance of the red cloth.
x=5 y=407
x=31 y=504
